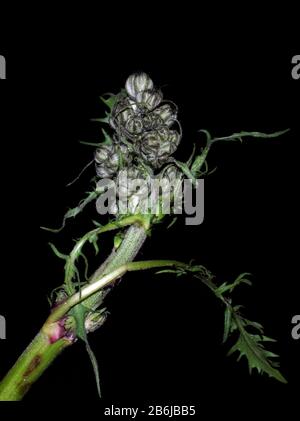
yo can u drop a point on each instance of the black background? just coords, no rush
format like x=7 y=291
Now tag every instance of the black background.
x=162 y=340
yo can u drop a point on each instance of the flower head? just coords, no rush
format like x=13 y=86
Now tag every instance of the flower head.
x=144 y=139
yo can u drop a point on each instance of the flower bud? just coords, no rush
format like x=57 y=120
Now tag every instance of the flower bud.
x=122 y=111
x=149 y=99
x=166 y=114
x=109 y=158
x=134 y=125
x=95 y=320
x=138 y=82
x=156 y=146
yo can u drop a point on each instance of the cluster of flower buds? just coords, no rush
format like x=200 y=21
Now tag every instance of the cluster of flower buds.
x=141 y=116
x=144 y=136
x=110 y=158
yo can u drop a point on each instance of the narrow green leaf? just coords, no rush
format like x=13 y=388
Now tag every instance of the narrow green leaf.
x=186 y=171
x=80 y=174
x=79 y=313
x=230 y=287
x=239 y=136
x=166 y=271
x=107 y=138
x=227 y=323
x=102 y=120
x=174 y=220
x=95 y=366
x=72 y=213
x=95 y=145
x=86 y=266
x=110 y=101
x=57 y=253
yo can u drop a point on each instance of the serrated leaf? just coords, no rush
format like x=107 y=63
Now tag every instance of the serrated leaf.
x=257 y=326
x=252 y=348
x=249 y=345
x=230 y=287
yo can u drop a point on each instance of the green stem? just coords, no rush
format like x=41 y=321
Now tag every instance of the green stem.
x=30 y=366
x=131 y=244
x=140 y=220
x=91 y=289
x=41 y=352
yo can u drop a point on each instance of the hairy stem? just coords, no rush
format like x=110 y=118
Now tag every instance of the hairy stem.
x=132 y=243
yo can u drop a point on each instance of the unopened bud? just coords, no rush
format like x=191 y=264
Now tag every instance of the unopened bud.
x=149 y=99
x=138 y=82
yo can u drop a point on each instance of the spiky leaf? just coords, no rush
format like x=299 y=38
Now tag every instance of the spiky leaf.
x=110 y=101
x=252 y=347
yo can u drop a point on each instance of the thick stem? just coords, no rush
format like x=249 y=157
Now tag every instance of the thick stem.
x=30 y=366
x=132 y=243
x=41 y=352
